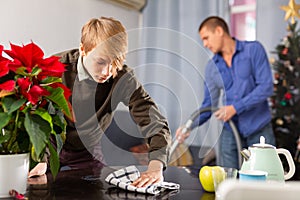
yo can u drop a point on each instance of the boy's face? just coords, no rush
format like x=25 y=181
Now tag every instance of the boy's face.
x=98 y=65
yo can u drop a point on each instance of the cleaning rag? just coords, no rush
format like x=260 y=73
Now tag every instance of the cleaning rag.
x=123 y=178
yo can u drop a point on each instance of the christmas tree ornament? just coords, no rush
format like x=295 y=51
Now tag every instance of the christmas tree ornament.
x=292 y=87
x=291 y=11
x=283 y=103
x=295 y=91
x=288 y=96
x=291 y=68
x=284 y=83
x=272 y=60
x=279 y=122
x=285 y=51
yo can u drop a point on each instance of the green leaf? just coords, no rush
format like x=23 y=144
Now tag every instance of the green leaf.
x=5 y=137
x=59 y=121
x=34 y=155
x=14 y=104
x=4 y=119
x=45 y=115
x=59 y=142
x=50 y=80
x=54 y=160
x=22 y=71
x=57 y=96
x=6 y=103
x=38 y=130
x=35 y=71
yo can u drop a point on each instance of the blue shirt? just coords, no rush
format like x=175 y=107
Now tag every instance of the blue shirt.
x=247 y=85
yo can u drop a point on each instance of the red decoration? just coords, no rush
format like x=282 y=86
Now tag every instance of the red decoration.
x=288 y=96
x=28 y=61
x=285 y=51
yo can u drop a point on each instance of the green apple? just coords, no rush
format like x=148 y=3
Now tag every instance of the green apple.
x=206 y=177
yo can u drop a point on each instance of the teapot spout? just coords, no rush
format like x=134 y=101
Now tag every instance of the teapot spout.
x=246 y=154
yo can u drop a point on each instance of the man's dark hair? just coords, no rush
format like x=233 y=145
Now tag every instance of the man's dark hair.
x=213 y=22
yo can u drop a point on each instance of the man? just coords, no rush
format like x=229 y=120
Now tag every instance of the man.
x=99 y=81
x=241 y=70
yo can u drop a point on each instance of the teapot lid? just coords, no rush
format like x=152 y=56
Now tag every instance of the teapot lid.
x=262 y=143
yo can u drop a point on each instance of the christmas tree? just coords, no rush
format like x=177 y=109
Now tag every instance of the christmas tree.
x=286 y=99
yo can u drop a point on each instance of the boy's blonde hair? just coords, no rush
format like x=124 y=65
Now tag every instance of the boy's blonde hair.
x=111 y=35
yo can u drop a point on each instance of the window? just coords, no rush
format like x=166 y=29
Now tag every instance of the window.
x=243 y=19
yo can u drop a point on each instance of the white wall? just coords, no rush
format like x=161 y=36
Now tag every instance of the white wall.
x=55 y=25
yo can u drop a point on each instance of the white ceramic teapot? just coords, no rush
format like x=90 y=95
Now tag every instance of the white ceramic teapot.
x=265 y=157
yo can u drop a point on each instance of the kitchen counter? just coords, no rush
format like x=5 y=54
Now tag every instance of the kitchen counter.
x=90 y=184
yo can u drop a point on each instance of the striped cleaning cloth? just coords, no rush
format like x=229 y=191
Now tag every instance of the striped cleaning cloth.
x=123 y=178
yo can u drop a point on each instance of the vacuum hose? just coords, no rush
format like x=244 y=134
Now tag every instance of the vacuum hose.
x=192 y=118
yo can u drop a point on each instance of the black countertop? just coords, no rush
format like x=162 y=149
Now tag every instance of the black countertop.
x=90 y=184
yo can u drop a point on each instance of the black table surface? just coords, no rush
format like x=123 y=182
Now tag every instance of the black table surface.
x=90 y=184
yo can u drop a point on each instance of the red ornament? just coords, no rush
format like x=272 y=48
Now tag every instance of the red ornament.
x=285 y=51
x=288 y=96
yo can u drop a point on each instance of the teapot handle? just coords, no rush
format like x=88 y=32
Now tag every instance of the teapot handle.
x=291 y=163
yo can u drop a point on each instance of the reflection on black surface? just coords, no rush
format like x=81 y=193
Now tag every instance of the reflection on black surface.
x=116 y=194
x=70 y=184
x=208 y=196
x=90 y=184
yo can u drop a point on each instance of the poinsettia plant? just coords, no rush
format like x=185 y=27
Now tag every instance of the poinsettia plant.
x=33 y=103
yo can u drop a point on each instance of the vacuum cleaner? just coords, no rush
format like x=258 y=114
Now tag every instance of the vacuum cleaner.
x=193 y=117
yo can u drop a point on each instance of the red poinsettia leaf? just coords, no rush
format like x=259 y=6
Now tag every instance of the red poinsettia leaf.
x=36 y=52
x=35 y=93
x=15 y=52
x=47 y=62
x=28 y=55
x=3 y=68
x=14 y=65
x=24 y=83
x=1 y=50
x=8 y=85
x=3 y=63
x=51 y=67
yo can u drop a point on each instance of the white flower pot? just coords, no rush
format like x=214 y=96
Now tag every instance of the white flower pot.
x=13 y=173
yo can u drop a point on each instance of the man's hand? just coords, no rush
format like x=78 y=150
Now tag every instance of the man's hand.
x=154 y=174
x=225 y=113
x=180 y=136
